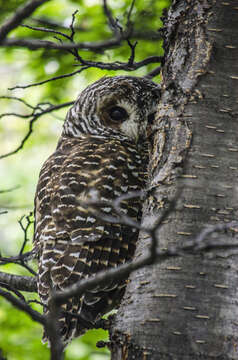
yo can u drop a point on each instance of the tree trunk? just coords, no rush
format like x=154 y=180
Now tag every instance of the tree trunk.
x=186 y=307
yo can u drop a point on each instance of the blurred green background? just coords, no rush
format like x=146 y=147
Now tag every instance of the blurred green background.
x=20 y=337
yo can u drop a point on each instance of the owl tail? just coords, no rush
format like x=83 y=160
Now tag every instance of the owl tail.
x=71 y=324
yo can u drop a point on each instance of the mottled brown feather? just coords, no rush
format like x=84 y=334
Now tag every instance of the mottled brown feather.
x=69 y=241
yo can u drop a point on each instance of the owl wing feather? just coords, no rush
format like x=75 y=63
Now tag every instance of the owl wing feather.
x=73 y=244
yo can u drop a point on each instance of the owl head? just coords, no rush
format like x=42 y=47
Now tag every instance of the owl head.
x=122 y=107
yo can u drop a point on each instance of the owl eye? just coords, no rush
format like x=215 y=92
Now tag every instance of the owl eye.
x=117 y=113
x=151 y=118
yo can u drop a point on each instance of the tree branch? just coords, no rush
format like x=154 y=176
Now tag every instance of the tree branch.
x=49 y=109
x=22 y=305
x=22 y=283
x=21 y=13
x=34 y=44
x=113 y=24
x=48 y=80
x=86 y=64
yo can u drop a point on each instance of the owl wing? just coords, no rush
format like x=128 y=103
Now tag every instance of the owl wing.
x=74 y=244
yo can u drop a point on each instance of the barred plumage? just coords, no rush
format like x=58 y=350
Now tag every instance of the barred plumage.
x=103 y=147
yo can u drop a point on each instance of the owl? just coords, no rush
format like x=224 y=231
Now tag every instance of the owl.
x=103 y=148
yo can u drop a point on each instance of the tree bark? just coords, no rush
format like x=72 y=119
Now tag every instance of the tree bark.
x=186 y=307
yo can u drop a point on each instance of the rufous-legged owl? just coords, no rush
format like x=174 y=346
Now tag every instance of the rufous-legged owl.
x=103 y=148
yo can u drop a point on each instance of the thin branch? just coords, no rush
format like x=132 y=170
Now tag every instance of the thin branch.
x=68 y=37
x=14 y=259
x=31 y=123
x=46 y=30
x=135 y=33
x=113 y=24
x=51 y=79
x=132 y=56
x=60 y=33
x=15 y=114
x=22 y=305
x=53 y=24
x=34 y=44
x=25 y=230
x=17 y=99
x=15 y=291
x=122 y=66
x=21 y=13
x=200 y=242
x=22 y=257
x=10 y=189
x=153 y=73
x=71 y=37
x=130 y=12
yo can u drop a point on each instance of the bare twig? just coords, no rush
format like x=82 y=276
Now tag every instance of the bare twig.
x=22 y=305
x=18 y=260
x=31 y=123
x=46 y=30
x=201 y=242
x=21 y=13
x=10 y=189
x=60 y=33
x=153 y=73
x=12 y=289
x=132 y=56
x=22 y=257
x=17 y=99
x=49 y=22
x=35 y=44
x=145 y=34
x=130 y=12
x=113 y=24
x=71 y=37
x=25 y=230
x=48 y=80
x=123 y=66
x=26 y=116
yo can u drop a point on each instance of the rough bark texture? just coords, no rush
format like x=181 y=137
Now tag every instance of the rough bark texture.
x=186 y=308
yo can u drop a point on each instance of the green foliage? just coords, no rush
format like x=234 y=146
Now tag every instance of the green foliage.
x=20 y=337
